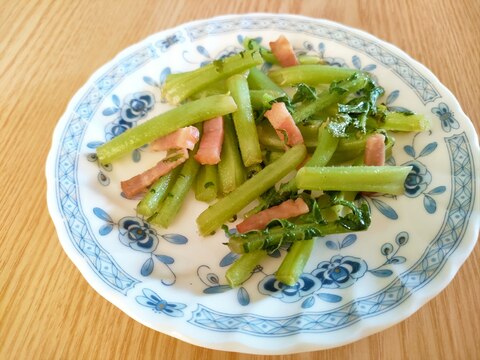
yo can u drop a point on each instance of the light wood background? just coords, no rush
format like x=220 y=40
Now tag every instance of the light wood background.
x=49 y=48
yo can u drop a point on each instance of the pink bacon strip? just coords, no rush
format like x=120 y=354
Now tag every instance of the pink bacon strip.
x=211 y=142
x=374 y=153
x=283 y=51
x=283 y=123
x=375 y=150
x=287 y=209
x=141 y=182
x=184 y=138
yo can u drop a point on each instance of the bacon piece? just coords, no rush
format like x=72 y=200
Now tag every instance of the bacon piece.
x=184 y=138
x=211 y=143
x=140 y=182
x=283 y=123
x=285 y=210
x=283 y=51
x=374 y=154
x=375 y=150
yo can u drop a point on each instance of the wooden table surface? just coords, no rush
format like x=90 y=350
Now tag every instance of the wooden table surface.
x=49 y=48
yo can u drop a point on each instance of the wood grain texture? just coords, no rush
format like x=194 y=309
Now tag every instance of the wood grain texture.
x=49 y=48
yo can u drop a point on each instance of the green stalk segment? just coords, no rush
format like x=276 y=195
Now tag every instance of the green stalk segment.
x=180 y=87
x=353 y=149
x=231 y=172
x=206 y=183
x=294 y=262
x=244 y=121
x=382 y=179
x=225 y=209
x=243 y=267
x=310 y=60
x=157 y=193
x=326 y=146
x=163 y=124
x=328 y=98
x=312 y=75
x=261 y=99
x=258 y=80
x=397 y=121
x=271 y=238
x=267 y=55
x=299 y=252
x=271 y=156
x=214 y=89
x=174 y=200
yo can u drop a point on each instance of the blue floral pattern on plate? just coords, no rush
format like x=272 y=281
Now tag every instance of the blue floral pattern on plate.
x=446 y=117
x=151 y=300
x=340 y=271
x=198 y=303
x=137 y=234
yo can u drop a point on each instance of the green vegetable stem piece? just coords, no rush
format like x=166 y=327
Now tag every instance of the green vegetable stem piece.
x=261 y=99
x=231 y=172
x=344 y=155
x=214 y=89
x=206 y=183
x=294 y=262
x=353 y=217
x=312 y=75
x=274 y=237
x=274 y=197
x=253 y=170
x=353 y=150
x=326 y=146
x=163 y=124
x=271 y=156
x=381 y=179
x=224 y=209
x=267 y=55
x=299 y=252
x=397 y=121
x=244 y=121
x=180 y=87
x=174 y=200
x=258 y=80
x=352 y=144
x=337 y=93
x=243 y=267
x=157 y=193
x=310 y=60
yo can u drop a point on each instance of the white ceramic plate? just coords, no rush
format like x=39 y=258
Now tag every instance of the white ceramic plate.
x=173 y=280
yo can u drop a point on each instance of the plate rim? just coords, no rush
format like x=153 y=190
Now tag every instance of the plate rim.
x=112 y=297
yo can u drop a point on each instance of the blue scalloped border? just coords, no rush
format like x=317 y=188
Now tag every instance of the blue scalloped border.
x=66 y=164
